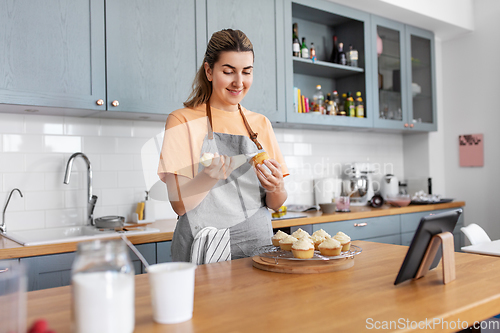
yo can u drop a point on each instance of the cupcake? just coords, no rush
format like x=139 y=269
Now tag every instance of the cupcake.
x=277 y=237
x=344 y=240
x=322 y=233
x=317 y=239
x=286 y=243
x=301 y=234
x=260 y=158
x=330 y=247
x=302 y=249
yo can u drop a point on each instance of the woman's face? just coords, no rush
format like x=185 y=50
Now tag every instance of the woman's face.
x=231 y=78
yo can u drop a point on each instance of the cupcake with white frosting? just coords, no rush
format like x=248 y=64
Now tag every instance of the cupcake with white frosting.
x=286 y=243
x=344 y=240
x=317 y=239
x=277 y=237
x=299 y=234
x=330 y=247
x=321 y=233
x=303 y=249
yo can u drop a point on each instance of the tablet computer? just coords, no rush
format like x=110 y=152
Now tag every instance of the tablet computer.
x=429 y=226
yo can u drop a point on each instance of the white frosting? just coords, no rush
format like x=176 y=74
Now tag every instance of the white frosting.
x=330 y=243
x=321 y=233
x=280 y=235
x=302 y=244
x=342 y=238
x=301 y=234
x=206 y=159
x=318 y=238
x=288 y=240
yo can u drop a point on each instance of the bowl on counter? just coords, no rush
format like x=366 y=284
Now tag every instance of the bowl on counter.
x=400 y=200
x=327 y=208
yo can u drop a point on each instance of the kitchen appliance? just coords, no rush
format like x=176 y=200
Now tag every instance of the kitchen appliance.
x=325 y=190
x=361 y=184
x=389 y=186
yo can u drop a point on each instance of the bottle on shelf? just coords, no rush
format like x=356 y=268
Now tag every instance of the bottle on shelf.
x=342 y=56
x=328 y=104
x=342 y=110
x=360 y=108
x=336 y=103
x=319 y=100
x=304 y=51
x=312 y=53
x=349 y=106
x=296 y=42
x=335 y=51
x=353 y=56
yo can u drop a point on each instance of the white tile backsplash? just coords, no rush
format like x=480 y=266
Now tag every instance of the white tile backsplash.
x=34 y=151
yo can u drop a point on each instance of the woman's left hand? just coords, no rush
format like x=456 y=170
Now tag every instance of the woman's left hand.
x=270 y=181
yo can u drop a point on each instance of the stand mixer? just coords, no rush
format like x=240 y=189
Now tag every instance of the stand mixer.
x=361 y=184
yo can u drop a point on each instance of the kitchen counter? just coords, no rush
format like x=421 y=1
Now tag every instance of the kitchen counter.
x=233 y=296
x=10 y=249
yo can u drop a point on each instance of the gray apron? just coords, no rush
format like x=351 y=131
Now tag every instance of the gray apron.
x=237 y=203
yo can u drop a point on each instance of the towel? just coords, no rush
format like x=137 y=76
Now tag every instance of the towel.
x=211 y=245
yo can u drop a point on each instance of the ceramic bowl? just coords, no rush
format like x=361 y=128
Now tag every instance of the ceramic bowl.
x=327 y=208
x=400 y=200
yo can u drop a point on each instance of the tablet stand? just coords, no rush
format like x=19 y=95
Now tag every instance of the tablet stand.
x=445 y=239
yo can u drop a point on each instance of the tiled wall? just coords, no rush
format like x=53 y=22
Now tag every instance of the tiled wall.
x=34 y=151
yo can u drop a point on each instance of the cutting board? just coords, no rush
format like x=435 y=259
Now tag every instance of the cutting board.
x=302 y=266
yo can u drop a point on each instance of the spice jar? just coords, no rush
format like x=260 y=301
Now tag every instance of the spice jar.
x=102 y=279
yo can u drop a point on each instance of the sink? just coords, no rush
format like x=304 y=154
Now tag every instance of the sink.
x=70 y=234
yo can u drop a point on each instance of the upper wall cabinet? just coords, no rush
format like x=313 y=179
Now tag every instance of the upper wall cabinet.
x=151 y=53
x=318 y=22
x=53 y=53
x=135 y=56
x=262 y=22
x=404 y=82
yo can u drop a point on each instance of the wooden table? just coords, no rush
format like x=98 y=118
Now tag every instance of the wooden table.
x=490 y=248
x=234 y=296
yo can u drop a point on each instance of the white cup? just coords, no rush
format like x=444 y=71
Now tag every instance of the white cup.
x=172 y=291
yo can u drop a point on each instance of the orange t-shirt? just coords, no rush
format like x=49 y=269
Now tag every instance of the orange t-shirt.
x=186 y=129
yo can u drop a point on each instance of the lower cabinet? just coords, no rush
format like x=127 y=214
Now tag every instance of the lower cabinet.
x=395 y=229
x=54 y=270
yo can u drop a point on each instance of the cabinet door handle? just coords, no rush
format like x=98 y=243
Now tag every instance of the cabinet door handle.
x=364 y=224
x=115 y=103
x=406 y=125
x=411 y=125
x=99 y=102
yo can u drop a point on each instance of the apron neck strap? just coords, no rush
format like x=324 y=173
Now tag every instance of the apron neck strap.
x=252 y=134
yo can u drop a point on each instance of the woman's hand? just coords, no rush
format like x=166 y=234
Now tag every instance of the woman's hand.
x=221 y=167
x=273 y=181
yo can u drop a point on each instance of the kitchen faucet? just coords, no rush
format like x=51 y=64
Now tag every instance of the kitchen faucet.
x=3 y=227
x=91 y=199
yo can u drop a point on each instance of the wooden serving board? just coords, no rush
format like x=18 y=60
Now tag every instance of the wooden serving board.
x=302 y=266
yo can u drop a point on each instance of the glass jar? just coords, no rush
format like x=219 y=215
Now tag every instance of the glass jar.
x=102 y=279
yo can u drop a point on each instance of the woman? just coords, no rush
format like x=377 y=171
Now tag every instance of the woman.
x=222 y=205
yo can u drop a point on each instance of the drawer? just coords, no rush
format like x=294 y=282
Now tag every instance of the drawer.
x=410 y=222
x=392 y=239
x=363 y=228
x=406 y=238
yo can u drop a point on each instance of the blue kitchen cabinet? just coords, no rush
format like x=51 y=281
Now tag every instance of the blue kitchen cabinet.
x=318 y=21
x=385 y=229
x=262 y=22
x=163 y=252
x=53 y=54
x=54 y=270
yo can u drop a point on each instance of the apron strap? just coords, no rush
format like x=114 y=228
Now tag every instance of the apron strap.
x=252 y=134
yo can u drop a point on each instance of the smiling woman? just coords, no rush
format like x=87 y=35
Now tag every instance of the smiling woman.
x=222 y=205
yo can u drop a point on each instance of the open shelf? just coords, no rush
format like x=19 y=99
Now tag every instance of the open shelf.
x=323 y=68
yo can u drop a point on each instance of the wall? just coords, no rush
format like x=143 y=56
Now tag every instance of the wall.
x=470 y=89
x=34 y=151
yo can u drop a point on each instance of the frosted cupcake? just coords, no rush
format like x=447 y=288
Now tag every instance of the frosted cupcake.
x=317 y=239
x=321 y=233
x=299 y=233
x=344 y=240
x=302 y=249
x=286 y=243
x=330 y=247
x=277 y=237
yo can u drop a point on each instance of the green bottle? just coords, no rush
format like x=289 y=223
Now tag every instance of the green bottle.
x=349 y=106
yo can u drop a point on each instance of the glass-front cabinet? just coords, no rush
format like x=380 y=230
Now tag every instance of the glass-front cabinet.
x=317 y=24
x=403 y=72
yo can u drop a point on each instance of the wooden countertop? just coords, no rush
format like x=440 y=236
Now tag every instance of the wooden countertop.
x=10 y=249
x=233 y=296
